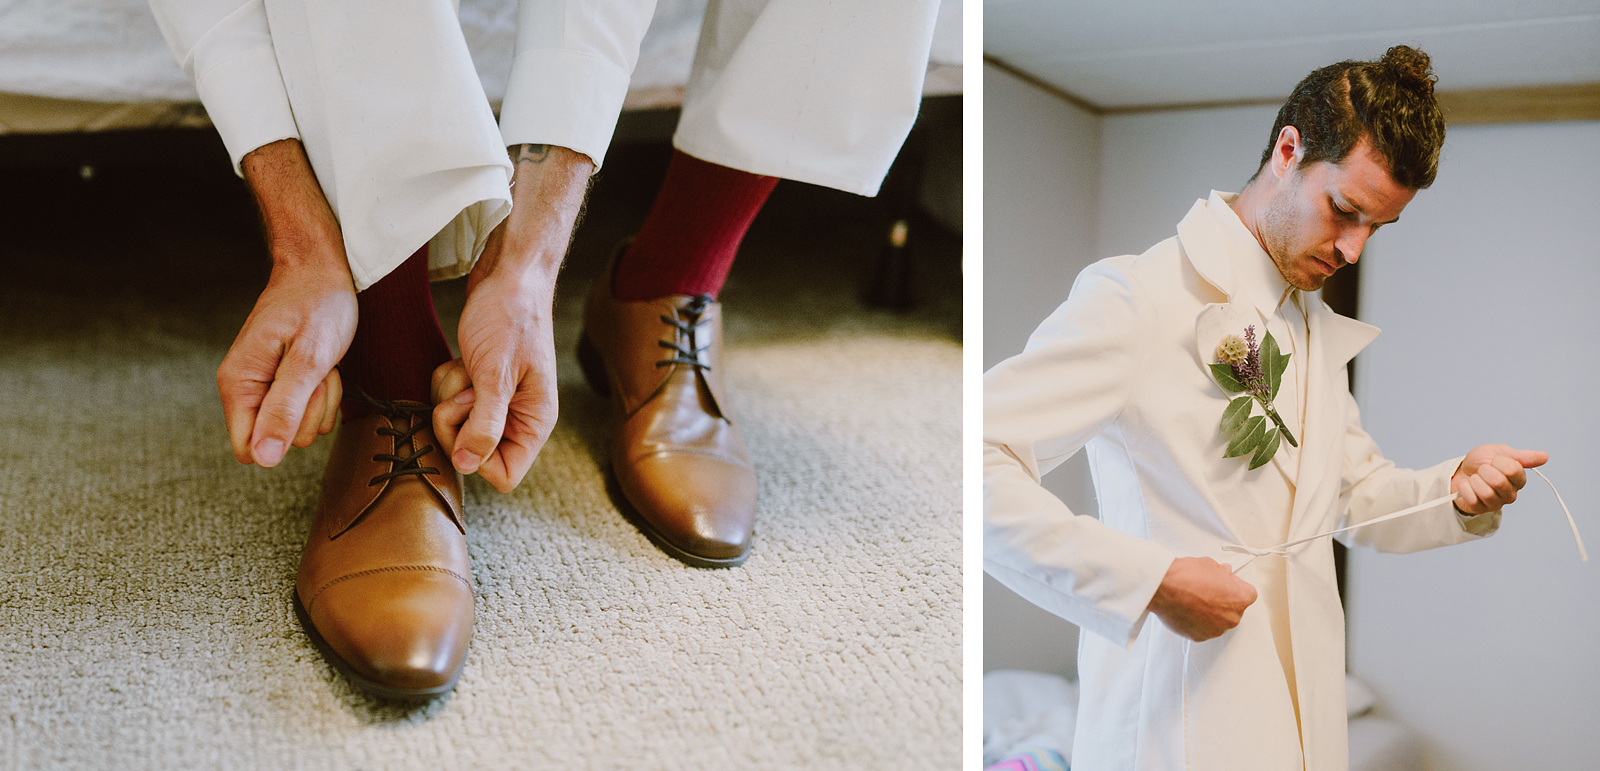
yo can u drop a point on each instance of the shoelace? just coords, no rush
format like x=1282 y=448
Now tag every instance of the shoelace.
x=686 y=326
x=397 y=411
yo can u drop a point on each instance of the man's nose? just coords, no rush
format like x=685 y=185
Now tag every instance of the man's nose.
x=1351 y=244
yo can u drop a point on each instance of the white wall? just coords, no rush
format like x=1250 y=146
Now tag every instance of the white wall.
x=1156 y=164
x=1041 y=177
x=1488 y=292
x=1041 y=169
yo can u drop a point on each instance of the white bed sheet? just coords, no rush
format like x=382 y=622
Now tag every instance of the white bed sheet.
x=111 y=50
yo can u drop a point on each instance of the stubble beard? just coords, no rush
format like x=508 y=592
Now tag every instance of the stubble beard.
x=1277 y=230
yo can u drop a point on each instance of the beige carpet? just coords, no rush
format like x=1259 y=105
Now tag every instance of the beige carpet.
x=145 y=618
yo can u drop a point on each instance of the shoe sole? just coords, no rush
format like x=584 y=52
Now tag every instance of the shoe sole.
x=594 y=367
x=375 y=689
x=594 y=372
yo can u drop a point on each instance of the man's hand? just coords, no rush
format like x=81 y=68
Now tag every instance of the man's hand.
x=1490 y=476
x=277 y=383
x=496 y=405
x=1201 y=598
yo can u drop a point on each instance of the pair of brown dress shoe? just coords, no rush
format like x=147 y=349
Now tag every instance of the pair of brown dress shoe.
x=385 y=589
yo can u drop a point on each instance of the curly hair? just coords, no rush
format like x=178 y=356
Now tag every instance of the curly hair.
x=1390 y=102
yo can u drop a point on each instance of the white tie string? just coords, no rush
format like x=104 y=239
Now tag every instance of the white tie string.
x=1283 y=548
x=1578 y=539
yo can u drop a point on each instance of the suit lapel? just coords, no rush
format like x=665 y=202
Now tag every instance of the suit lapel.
x=1334 y=341
x=1206 y=248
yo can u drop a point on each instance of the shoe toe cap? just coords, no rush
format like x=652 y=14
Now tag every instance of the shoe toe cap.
x=405 y=630
x=701 y=504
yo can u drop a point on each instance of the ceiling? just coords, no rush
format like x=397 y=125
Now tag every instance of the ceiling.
x=1134 y=53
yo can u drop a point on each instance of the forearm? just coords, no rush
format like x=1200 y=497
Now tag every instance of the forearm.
x=1388 y=489
x=299 y=225
x=1072 y=565
x=548 y=191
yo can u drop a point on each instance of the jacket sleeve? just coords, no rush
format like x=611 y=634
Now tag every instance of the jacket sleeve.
x=1374 y=487
x=225 y=48
x=1040 y=407
x=570 y=72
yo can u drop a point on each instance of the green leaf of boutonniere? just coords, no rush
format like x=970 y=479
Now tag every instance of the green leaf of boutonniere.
x=1224 y=375
x=1273 y=363
x=1234 y=416
x=1246 y=437
x=1265 y=451
x=1243 y=365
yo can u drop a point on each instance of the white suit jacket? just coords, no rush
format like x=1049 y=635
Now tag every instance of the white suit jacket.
x=384 y=96
x=1119 y=371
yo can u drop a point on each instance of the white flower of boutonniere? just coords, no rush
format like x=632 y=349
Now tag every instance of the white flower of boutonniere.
x=1256 y=371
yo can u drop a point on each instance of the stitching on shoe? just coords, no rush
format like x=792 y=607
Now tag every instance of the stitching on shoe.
x=688 y=451
x=340 y=579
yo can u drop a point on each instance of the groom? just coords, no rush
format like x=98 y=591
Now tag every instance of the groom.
x=1246 y=670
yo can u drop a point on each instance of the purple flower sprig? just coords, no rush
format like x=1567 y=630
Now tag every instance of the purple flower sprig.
x=1249 y=373
x=1255 y=370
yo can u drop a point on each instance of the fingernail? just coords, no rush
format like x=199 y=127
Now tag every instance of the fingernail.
x=269 y=452
x=466 y=462
x=465 y=397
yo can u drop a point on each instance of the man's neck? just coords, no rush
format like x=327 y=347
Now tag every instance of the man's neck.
x=1249 y=205
x=1256 y=273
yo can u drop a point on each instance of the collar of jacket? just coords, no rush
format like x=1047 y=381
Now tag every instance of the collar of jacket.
x=1205 y=245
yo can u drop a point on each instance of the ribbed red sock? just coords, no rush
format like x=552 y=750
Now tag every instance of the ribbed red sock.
x=688 y=242
x=398 y=340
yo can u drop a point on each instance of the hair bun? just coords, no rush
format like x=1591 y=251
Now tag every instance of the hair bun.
x=1410 y=66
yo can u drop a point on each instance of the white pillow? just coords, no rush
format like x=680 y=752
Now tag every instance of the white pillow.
x=1358 y=698
x=1027 y=709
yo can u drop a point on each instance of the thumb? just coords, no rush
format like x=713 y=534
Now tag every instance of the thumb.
x=484 y=427
x=1530 y=458
x=241 y=401
x=283 y=407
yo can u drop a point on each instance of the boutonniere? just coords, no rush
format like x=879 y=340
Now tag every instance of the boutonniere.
x=1256 y=371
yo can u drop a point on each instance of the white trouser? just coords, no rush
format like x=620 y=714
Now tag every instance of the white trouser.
x=386 y=101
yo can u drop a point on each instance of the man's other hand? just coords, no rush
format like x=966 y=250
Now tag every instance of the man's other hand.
x=1490 y=476
x=496 y=405
x=1201 y=598
x=277 y=383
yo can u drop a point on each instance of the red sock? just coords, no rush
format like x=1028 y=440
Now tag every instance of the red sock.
x=398 y=341
x=689 y=240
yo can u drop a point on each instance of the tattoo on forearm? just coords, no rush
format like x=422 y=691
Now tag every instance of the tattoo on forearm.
x=532 y=153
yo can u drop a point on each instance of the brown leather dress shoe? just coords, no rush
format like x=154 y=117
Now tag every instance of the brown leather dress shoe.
x=677 y=457
x=385 y=590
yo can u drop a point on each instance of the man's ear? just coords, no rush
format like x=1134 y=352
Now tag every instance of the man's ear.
x=1286 y=152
